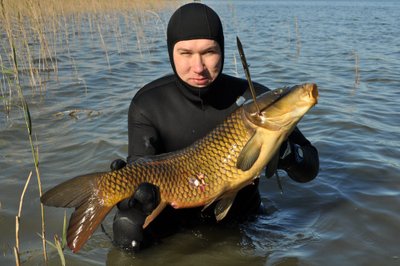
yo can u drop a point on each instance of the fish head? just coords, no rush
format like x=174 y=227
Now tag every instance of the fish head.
x=281 y=109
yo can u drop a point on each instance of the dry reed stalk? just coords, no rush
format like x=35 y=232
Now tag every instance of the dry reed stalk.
x=356 y=69
x=39 y=25
x=33 y=72
x=298 y=40
x=104 y=46
x=6 y=22
x=17 y=221
x=3 y=87
x=17 y=258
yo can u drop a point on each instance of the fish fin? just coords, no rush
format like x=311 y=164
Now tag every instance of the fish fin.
x=208 y=204
x=79 y=192
x=84 y=221
x=71 y=193
x=249 y=155
x=272 y=165
x=223 y=206
x=211 y=201
x=155 y=213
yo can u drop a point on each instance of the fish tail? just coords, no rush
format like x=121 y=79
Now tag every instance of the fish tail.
x=81 y=193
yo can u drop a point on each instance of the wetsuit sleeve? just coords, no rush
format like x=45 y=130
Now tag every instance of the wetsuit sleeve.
x=143 y=137
x=301 y=169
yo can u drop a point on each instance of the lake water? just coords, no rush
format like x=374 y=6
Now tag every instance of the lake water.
x=349 y=215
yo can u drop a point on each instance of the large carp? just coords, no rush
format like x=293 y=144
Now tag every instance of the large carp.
x=213 y=169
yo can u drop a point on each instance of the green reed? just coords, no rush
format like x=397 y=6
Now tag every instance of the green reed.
x=35 y=157
x=58 y=244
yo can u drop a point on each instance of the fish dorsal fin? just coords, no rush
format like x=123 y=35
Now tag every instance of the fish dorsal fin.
x=249 y=155
x=222 y=207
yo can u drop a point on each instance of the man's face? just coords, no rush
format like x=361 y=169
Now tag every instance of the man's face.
x=197 y=62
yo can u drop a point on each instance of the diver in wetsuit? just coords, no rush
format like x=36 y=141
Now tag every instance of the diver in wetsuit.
x=174 y=111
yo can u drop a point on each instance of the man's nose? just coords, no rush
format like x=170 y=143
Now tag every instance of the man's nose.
x=198 y=64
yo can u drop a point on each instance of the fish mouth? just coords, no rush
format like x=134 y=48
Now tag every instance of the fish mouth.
x=313 y=92
x=309 y=93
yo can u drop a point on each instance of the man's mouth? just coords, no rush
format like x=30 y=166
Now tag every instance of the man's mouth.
x=200 y=81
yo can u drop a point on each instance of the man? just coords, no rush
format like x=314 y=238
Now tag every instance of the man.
x=174 y=111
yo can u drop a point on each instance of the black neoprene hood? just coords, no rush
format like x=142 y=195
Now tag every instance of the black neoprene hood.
x=194 y=21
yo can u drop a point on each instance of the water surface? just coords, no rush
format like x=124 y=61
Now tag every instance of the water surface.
x=349 y=215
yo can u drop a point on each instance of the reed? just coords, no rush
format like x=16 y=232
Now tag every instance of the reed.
x=34 y=32
x=58 y=244
x=298 y=39
x=356 y=69
x=35 y=157
x=17 y=221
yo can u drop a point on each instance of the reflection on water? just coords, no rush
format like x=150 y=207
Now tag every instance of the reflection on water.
x=348 y=216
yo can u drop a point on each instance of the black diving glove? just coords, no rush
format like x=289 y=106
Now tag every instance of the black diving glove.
x=117 y=164
x=289 y=153
x=300 y=162
x=132 y=212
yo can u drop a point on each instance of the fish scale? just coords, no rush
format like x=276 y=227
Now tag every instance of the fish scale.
x=213 y=156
